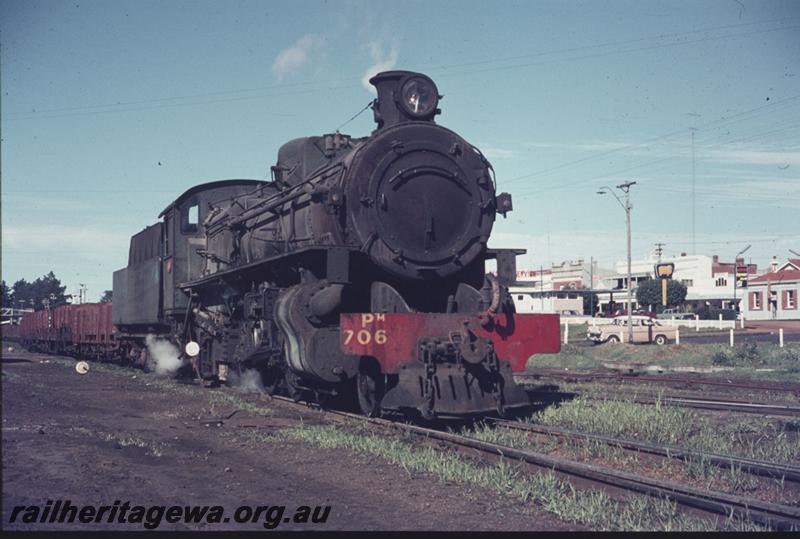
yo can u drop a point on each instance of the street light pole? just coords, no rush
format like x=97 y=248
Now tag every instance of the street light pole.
x=736 y=276
x=627 y=206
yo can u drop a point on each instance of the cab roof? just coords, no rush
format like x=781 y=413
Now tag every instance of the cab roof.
x=209 y=185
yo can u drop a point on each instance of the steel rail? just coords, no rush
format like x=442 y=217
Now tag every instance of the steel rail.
x=728 y=405
x=776 y=516
x=754 y=466
x=709 y=403
x=613 y=377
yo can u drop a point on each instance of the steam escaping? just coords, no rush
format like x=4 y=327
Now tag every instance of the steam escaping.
x=248 y=382
x=383 y=59
x=164 y=356
x=293 y=58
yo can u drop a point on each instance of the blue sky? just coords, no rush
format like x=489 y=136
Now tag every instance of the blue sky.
x=111 y=109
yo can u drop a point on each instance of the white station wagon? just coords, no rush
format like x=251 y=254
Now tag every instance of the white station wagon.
x=645 y=330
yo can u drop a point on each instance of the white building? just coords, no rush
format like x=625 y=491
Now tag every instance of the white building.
x=774 y=295
x=708 y=281
x=555 y=289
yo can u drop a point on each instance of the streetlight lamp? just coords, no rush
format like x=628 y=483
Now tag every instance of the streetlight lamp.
x=627 y=206
x=736 y=276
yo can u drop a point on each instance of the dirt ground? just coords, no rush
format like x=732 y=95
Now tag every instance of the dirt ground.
x=106 y=436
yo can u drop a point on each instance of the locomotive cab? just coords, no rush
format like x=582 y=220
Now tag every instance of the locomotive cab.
x=185 y=249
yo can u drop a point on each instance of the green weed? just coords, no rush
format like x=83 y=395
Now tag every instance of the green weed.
x=587 y=507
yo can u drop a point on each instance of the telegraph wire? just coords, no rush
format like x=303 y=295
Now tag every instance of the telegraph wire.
x=624 y=51
x=720 y=121
x=613 y=43
x=651 y=163
x=356 y=115
x=325 y=84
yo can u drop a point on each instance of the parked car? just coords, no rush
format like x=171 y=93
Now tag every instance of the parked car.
x=645 y=330
x=617 y=312
x=676 y=314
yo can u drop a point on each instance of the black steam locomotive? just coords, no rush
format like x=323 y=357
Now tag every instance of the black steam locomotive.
x=359 y=269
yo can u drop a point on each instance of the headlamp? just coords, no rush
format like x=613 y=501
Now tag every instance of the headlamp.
x=418 y=96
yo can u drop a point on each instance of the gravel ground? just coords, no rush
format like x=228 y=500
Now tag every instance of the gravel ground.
x=108 y=436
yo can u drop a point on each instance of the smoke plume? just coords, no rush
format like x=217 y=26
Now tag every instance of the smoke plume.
x=164 y=356
x=249 y=382
x=384 y=58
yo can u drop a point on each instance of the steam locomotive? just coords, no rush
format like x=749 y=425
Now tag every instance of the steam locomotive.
x=359 y=269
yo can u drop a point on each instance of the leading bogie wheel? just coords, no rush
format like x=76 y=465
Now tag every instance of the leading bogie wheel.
x=369 y=389
x=292 y=386
x=273 y=380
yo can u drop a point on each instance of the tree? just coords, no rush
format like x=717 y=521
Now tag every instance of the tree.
x=107 y=296
x=649 y=292
x=6 y=299
x=21 y=294
x=30 y=295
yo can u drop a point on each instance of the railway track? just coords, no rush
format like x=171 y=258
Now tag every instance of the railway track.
x=775 y=516
x=753 y=466
x=606 y=377
x=706 y=403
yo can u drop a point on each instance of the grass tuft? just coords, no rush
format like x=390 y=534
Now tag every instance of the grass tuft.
x=747 y=359
x=750 y=437
x=591 y=508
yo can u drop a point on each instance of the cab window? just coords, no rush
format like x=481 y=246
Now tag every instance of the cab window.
x=190 y=217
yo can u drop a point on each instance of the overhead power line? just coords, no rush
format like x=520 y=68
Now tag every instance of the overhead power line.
x=614 y=43
x=715 y=123
x=317 y=86
x=650 y=163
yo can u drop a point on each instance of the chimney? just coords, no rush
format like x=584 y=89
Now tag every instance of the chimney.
x=773 y=266
x=715 y=259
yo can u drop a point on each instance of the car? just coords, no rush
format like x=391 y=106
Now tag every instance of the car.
x=618 y=312
x=675 y=314
x=645 y=330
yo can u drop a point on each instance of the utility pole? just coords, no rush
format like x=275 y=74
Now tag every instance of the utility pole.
x=591 y=286
x=736 y=276
x=694 y=229
x=627 y=206
x=659 y=250
x=541 y=288
x=694 y=116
